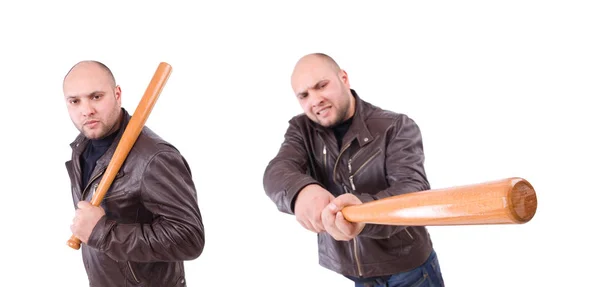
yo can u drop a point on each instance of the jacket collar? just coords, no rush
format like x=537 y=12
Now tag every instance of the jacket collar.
x=358 y=129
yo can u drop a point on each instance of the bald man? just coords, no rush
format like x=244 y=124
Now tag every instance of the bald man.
x=345 y=151
x=149 y=221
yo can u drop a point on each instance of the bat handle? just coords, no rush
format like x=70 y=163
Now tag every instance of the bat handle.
x=74 y=242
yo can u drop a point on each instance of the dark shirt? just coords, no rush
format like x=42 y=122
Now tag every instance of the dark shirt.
x=340 y=130
x=94 y=150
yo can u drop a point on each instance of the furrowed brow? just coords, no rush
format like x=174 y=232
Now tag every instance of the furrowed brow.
x=94 y=93
x=315 y=86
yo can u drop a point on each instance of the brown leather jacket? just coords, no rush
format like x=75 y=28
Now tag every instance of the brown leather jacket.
x=152 y=222
x=381 y=155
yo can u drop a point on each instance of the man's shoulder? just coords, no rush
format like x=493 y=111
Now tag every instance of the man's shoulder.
x=301 y=122
x=149 y=144
x=381 y=116
x=299 y=119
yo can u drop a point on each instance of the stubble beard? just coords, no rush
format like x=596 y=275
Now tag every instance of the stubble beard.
x=103 y=129
x=99 y=132
x=339 y=117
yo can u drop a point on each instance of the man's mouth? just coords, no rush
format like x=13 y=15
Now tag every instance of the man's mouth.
x=323 y=111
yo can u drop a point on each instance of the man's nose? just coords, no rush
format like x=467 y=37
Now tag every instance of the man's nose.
x=87 y=109
x=315 y=100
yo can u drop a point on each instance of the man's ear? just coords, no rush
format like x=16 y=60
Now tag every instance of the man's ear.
x=344 y=78
x=118 y=94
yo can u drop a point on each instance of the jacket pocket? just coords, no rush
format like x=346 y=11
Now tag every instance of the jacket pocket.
x=399 y=244
x=132 y=273
x=408 y=235
x=116 y=195
x=110 y=193
x=358 y=164
x=118 y=188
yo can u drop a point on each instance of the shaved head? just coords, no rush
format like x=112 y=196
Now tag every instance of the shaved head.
x=93 y=99
x=87 y=63
x=323 y=89
x=326 y=58
x=316 y=59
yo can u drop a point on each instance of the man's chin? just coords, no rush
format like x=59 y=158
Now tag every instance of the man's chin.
x=93 y=135
x=329 y=123
x=325 y=122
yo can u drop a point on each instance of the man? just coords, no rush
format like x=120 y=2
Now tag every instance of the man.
x=149 y=221
x=345 y=151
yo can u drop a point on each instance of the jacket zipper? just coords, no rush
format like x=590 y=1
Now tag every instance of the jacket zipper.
x=90 y=181
x=406 y=229
x=359 y=168
x=338 y=159
x=94 y=188
x=325 y=156
x=351 y=175
x=356 y=257
x=132 y=273
x=334 y=178
x=354 y=240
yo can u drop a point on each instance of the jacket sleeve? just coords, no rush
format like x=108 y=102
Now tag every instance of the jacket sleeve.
x=405 y=172
x=177 y=231
x=286 y=174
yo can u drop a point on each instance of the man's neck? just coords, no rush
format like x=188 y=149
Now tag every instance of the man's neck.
x=105 y=141
x=340 y=130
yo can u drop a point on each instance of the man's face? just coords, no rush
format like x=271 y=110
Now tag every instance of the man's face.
x=323 y=93
x=93 y=101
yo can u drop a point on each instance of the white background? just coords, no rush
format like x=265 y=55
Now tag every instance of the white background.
x=499 y=89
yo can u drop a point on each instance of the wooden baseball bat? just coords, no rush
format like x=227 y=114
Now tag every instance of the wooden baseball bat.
x=505 y=201
x=129 y=137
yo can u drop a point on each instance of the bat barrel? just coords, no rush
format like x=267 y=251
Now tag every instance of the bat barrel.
x=506 y=201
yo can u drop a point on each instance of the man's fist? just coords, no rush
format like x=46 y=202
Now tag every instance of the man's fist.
x=309 y=203
x=334 y=222
x=86 y=217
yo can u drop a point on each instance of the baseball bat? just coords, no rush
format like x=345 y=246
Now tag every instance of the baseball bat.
x=504 y=201
x=129 y=137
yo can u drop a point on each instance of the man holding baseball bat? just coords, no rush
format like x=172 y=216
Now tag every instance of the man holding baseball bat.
x=149 y=221
x=345 y=151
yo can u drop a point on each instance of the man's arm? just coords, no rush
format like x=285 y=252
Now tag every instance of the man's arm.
x=405 y=172
x=177 y=232
x=286 y=174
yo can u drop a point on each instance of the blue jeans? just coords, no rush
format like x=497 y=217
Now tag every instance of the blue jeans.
x=428 y=274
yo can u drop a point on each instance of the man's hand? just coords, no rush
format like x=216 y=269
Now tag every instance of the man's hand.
x=86 y=217
x=334 y=222
x=311 y=200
